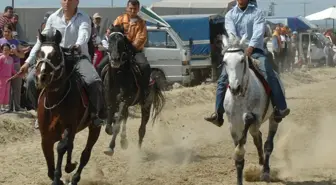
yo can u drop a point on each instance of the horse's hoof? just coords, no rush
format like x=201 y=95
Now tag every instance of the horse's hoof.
x=108 y=129
x=265 y=176
x=109 y=152
x=124 y=144
x=59 y=183
x=70 y=167
x=261 y=161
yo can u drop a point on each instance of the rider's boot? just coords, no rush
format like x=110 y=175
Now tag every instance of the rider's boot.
x=217 y=117
x=99 y=113
x=278 y=100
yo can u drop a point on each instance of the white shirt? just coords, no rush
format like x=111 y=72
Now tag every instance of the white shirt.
x=77 y=31
x=105 y=42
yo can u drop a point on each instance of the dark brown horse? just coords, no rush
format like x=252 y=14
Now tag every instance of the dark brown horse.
x=122 y=79
x=62 y=107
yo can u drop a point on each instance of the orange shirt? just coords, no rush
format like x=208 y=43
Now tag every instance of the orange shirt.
x=136 y=31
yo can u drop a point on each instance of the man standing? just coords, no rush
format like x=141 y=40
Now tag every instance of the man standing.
x=75 y=27
x=96 y=21
x=6 y=17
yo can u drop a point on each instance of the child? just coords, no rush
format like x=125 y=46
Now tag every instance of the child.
x=6 y=71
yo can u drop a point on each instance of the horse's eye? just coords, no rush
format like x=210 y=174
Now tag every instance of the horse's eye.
x=224 y=62
x=40 y=54
x=242 y=61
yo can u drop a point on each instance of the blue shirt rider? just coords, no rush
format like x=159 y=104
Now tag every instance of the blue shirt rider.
x=245 y=18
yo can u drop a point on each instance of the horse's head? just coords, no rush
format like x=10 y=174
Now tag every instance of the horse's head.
x=50 y=60
x=119 y=47
x=235 y=63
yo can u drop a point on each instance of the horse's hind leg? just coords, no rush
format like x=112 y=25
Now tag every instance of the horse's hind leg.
x=145 y=115
x=268 y=148
x=257 y=140
x=94 y=133
x=123 y=135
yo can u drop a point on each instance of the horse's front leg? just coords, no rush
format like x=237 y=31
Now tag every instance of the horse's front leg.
x=116 y=129
x=70 y=167
x=239 y=153
x=257 y=140
x=61 y=149
x=48 y=151
x=110 y=98
x=268 y=148
x=123 y=139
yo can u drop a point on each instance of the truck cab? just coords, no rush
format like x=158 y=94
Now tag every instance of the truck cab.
x=168 y=56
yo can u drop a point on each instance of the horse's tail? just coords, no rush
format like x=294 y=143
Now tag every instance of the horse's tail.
x=158 y=100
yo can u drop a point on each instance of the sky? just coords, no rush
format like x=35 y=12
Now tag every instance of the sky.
x=283 y=7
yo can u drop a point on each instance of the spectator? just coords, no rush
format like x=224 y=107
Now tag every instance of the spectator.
x=45 y=18
x=6 y=71
x=15 y=21
x=16 y=54
x=96 y=21
x=104 y=42
x=6 y=17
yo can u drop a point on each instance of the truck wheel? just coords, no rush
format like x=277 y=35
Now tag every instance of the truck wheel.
x=160 y=79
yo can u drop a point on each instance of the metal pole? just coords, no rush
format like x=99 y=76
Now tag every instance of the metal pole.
x=13 y=3
x=111 y=3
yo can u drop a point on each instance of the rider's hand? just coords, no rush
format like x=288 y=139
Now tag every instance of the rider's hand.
x=249 y=51
x=76 y=47
x=24 y=68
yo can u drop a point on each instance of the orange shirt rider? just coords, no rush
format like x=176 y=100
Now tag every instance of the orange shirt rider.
x=135 y=30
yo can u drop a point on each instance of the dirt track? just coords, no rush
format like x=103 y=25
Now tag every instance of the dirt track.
x=183 y=149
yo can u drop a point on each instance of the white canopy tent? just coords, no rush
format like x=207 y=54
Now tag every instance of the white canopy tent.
x=191 y=3
x=329 y=13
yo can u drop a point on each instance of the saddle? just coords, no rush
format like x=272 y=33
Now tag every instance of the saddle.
x=83 y=93
x=136 y=71
x=254 y=66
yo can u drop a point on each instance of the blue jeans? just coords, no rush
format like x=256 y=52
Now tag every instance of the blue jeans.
x=265 y=67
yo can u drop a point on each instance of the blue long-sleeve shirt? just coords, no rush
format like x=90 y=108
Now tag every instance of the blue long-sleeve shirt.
x=251 y=22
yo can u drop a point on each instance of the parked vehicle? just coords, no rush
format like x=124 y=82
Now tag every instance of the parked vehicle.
x=204 y=31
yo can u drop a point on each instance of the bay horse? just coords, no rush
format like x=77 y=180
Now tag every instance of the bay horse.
x=62 y=107
x=247 y=105
x=122 y=77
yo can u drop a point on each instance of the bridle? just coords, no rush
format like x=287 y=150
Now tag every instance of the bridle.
x=123 y=54
x=54 y=68
x=244 y=89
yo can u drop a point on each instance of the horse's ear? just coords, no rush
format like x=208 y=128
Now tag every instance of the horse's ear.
x=41 y=37
x=225 y=40
x=58 y=37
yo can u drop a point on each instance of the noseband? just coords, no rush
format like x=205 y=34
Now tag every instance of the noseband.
x=54 y=68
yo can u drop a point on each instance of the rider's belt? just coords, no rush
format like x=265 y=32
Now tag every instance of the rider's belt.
x=257 y=50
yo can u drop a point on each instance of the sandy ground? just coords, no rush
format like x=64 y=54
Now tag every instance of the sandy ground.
x=181 y=148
